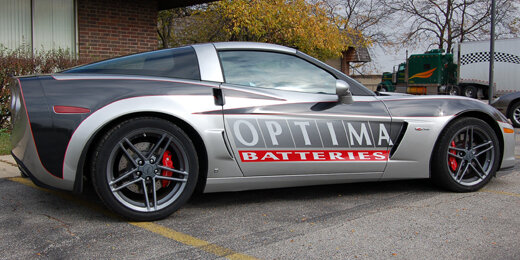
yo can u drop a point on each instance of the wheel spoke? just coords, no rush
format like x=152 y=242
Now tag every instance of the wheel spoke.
x=461 y=164
x=126 y=185
x=455 y=155
x=480 y=169
x=127 y=154
x=170 y=178
x=464 y=172
x=162 y=167
x=467 y=138
x=145 y=191
x=482 y=145
x=165 y=147
x=154 y=190
x=122 y=177
x=471 y=138
x=134 y=148
x=457 y=149
x=484 y=151
x=157 y=145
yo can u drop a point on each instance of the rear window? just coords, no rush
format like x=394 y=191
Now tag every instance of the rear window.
x=174 y=63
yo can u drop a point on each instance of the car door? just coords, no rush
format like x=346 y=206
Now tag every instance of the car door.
x=282 y=117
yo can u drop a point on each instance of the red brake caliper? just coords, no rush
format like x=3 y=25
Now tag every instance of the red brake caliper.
x=453 y=162
x=167 y=162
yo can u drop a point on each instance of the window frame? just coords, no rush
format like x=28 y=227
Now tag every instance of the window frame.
x=356 y=88
x=275 y=52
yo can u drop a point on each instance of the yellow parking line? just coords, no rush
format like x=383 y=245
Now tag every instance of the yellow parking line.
x=149 y=226
x=191 y=241
x=501 y=192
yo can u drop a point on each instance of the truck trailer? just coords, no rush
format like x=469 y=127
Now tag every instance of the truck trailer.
x=463 y=72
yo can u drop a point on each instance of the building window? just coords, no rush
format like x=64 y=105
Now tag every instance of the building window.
x=40 y=25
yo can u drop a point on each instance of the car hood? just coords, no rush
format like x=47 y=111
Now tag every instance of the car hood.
x=436 y=106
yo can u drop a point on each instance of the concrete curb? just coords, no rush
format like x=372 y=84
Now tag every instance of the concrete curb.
x=8 y=167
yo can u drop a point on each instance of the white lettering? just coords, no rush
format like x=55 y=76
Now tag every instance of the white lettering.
x=379 y=156
x=303 y=155
x=332 y=133
x=351 y=156
x=254 y=133
x=318 y=155
x=303 y=128
x=284 y=155
x=363 y=156
x=359 y=137
x=274 y=129
x=269 y=155
x=335 y=156
x=249 y=156
x=383 y=134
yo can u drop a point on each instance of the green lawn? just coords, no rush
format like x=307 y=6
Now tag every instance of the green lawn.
x=5 y=143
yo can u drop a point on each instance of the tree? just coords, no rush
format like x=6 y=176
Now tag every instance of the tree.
x=295 y=23
x=370 y=17
x=166 y=21
x=447 y=21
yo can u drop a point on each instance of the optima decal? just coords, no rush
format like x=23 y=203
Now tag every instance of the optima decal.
x=342 y=140
x=313 y=155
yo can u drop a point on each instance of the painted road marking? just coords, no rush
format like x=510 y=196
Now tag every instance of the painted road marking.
x=191 y=241
x=501 y=192
x=149 y=226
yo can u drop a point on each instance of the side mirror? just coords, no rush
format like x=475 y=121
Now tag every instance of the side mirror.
x=343 y=92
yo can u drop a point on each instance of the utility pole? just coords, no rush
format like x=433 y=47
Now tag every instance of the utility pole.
x=492 y=52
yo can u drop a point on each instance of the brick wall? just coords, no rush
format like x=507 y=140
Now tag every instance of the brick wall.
x=108 y=28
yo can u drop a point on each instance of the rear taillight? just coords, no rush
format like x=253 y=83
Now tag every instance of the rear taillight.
x=16 y=101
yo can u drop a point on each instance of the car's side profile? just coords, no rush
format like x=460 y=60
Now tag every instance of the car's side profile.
x=150 y=129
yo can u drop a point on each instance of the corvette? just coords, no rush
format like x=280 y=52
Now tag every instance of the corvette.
x=150 y=129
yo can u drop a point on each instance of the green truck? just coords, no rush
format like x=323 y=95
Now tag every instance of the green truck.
x=432 y=72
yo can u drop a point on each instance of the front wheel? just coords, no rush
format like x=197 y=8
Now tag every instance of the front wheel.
x=145 y=168
x=466 y=155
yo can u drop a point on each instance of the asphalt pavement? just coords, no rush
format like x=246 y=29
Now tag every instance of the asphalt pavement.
x=386 y=220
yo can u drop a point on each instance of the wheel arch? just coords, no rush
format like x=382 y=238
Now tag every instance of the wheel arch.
x=478 y=115
x=84 y=165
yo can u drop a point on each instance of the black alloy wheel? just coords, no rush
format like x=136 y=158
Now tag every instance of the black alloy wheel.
x=466 y=155
x=145 y=168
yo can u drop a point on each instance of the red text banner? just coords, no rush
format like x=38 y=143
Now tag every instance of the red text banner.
x=313 y=155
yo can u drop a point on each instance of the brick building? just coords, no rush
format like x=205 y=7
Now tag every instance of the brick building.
x=86 y=28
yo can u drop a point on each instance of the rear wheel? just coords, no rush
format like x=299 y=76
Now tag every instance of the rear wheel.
x=145 y=168
x=470 y=91
x=466 y=156
x=514 y=114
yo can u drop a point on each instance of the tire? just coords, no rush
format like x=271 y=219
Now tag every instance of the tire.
x=466 y=155
x=141 y=154
x=470 y=91
x=453 y=90
x=514 y=114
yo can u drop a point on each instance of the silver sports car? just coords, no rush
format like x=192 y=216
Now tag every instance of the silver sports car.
x=148 y=130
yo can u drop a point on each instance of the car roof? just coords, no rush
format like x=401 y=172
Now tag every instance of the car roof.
x=251 y=46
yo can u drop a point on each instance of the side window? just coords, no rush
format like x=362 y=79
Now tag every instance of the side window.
x=275 y=70
x=173 y=63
